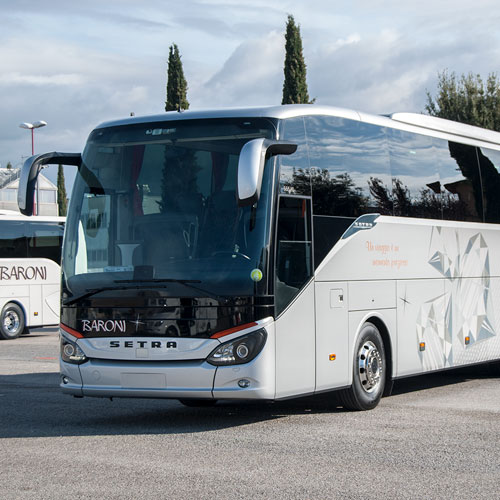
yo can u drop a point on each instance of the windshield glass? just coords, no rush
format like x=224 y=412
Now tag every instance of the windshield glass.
x=156 y=203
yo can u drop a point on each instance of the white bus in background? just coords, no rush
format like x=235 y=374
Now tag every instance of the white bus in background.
x=30 y=272
x=270 y=253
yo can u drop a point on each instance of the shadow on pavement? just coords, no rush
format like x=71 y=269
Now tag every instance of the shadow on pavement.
x=443 y=378
x=31 y=405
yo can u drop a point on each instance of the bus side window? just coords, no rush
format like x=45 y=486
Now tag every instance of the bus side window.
x=460 y=181
x=489 y=165
x=12 y=240
x=294 y=263
x=45 y=241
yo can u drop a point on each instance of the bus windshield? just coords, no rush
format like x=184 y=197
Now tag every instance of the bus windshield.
x=154 y=205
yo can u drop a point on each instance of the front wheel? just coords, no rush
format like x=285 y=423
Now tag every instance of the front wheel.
x=11 y=322
x=369 y=371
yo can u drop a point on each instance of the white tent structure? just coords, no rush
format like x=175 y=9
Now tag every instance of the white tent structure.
x=9 y=184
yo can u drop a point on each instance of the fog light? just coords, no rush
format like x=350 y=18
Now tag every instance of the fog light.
x=65 y=380
x=244 y=383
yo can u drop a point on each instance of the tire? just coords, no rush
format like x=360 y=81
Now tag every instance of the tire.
x=11 y=321
x=198 y=403
x=369 y=371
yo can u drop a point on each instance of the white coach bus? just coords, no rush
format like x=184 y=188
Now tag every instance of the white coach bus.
x=277 y=252
x=30 y=273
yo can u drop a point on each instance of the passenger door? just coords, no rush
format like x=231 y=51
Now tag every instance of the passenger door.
x=294 y=298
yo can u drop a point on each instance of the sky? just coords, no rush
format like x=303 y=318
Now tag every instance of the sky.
x=77 y=64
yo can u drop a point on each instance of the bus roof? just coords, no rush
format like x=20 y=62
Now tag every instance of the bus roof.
x=412 y=122
x=16 y=216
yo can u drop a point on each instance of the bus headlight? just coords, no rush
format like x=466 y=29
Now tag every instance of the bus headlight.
x=240 y=350
x=71 y=353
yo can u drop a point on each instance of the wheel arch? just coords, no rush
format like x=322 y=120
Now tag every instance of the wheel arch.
x=20 y=305
x=388 y=348
x=23 y=309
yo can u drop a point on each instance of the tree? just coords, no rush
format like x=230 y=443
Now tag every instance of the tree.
x=62 y=202
x=295 y=85
x=9 y=165
x=337 y=195
x=176 y=83
x=467 y=100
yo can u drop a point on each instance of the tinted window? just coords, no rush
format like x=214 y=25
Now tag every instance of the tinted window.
x=459 y=181
x=294 y=249
x=347 y=159
x=294 y=169
x=12 y=240
x=415 y=177
x=489 y=162
x=45 y=241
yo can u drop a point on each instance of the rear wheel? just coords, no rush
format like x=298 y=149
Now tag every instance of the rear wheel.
x=369 y=371
x=11 y=321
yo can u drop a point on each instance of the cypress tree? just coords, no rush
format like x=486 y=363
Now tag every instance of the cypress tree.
x=295 y=85
x=62 y=202
x=176 y=83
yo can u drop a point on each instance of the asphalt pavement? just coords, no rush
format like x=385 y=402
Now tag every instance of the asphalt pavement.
x=436 y=437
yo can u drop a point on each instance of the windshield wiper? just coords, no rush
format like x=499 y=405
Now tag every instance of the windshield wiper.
x=145 y=284
x=93 y=291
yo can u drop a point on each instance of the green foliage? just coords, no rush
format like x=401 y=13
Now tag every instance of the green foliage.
x=176 y=83
x=9 y=166
x=295 y=85
x=467 y=100
x=62 y=202
x=336 y=195
x=180 y=169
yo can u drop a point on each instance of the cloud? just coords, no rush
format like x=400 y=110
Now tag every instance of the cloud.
x=252 y=75
x=77 y=64
x=61 y=79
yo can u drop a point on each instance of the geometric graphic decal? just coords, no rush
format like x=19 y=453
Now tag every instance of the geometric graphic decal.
x=466 y=308
x=432 y=329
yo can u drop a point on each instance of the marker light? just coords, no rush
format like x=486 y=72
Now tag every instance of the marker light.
x=240 y=350
x=422 y=346
x=71 y=353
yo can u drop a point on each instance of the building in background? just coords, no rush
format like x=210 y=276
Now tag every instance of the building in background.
x=9 y=184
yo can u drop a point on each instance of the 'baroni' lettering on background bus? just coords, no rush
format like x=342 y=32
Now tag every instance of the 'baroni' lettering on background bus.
x=23 y=273
x=100 y=325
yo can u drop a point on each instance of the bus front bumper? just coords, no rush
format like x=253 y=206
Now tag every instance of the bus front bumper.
x=173 y=380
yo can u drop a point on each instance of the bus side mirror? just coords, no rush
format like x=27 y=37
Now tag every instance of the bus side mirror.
x=251 y=166
x=30 y=171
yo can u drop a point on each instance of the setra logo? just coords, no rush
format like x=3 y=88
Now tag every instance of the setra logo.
x=153 y=344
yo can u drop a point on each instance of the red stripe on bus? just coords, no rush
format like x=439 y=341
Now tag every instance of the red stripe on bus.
x=69 y=330
x=223 y=333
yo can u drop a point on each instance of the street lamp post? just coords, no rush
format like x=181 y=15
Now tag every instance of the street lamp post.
x=32 y=127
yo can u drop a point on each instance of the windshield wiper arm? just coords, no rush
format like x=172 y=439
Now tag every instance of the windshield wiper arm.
x=93 y=291
x=145 y=285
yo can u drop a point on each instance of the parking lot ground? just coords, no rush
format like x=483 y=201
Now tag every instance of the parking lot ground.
x=436 y=437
